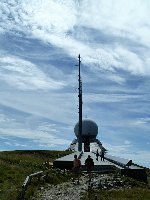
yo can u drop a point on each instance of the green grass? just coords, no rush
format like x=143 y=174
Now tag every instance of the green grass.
x=133 y=190
x=15 y=166
x=121 y=194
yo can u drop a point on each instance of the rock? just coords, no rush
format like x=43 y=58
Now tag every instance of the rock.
x=72 y=191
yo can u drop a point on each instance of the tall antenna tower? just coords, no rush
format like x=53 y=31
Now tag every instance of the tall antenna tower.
x=80 y=108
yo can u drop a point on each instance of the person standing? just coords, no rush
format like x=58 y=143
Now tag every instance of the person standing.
x=102 y=155
x=76 y=168
x=89 y=163
x=97 y=155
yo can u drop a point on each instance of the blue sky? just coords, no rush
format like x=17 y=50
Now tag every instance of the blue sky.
x=39 y=44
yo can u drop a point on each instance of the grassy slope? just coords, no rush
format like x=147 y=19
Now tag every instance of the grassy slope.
x=122 y=194
x=134 y=190
x=15 y=166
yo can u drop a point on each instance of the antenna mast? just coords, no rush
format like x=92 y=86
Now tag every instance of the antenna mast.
x=80 y=109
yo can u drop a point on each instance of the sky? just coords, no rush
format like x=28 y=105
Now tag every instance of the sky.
x=40 y=41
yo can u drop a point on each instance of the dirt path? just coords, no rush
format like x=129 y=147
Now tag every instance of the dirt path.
x=65 y=191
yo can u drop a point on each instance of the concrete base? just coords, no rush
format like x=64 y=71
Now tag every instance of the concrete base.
x=66 y=162
x=132 y=171
x=138 y=174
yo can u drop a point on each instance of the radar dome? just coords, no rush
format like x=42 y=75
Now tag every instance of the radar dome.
x=89 y=129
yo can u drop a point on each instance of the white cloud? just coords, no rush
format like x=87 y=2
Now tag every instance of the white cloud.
x=57 y=107
x=39 y=132
x=45 y=127
x=127 y=151
x=142 y=121
x=8 y=143
x=51 y=22
x=122 y=17
x=116 y=78
x=50 y=15
x=127 y=142
x=140 y=157
x=131 y=62
x=36 y=136
x=120 y=149
x=20 y=145
x=4 y=118
x=92 y=98
x=25 y=75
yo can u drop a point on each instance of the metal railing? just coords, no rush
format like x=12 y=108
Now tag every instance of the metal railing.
x=27 y=182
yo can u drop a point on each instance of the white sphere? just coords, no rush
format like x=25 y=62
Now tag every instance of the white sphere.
x=89 y=128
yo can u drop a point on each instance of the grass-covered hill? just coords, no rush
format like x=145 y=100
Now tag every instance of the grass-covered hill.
x=15 y=166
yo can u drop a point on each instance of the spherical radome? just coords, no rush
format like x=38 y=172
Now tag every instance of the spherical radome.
x=89 y=128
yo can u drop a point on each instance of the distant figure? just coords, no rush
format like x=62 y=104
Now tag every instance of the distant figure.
x=89 y=163
x=97 y=155
x=102 y=155
x=76 y=168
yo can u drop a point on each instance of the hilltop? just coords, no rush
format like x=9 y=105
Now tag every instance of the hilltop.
x=15 y=166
